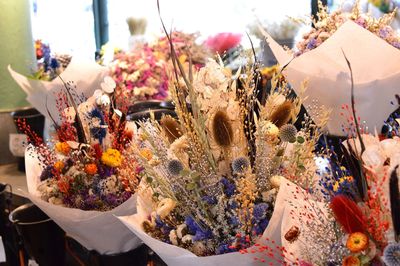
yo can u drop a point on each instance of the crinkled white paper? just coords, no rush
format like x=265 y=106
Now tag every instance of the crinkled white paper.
x=86 y=75
x=376 y=70
x=95 y=230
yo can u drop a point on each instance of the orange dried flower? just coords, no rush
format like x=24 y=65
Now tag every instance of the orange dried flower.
x=91 y=168
x=351 y=261
x=63 y=186
x=62 y=147
x=59 y=165
x=357 y=242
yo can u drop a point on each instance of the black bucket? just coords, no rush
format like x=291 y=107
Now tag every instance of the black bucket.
x=137 y=257
x=35 y=120
x=5 y=201
x=42 y=238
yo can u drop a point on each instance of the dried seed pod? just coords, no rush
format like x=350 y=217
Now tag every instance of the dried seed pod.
x=171 y=128
x=222 y=129
x=282 y=114
x=292 y=234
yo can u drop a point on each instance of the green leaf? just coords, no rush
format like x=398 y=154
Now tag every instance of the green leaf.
x=149 y=179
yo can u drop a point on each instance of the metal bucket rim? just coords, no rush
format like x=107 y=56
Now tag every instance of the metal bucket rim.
x=14 y=221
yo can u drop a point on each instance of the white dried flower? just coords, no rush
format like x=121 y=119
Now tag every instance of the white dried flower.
x=165 y=206
x=276 y=181
x=180 y=230
x=173 y=238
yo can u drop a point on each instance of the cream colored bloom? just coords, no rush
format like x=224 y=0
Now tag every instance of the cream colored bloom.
x=165 y=206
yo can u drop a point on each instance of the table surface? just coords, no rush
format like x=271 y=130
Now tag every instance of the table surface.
x=9 y=174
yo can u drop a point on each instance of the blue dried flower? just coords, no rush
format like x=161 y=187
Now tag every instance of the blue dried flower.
x=98 y=132
x=174 y=167
x=54 y=63
x=229 y=188
x=47 y=173
x=199 y=232
x=210 y=200
x=232 y=205
x=260 y=211
x=239 y=165
x=223 y=249
x=233 y=221
x=260 y=227
x=311 y=44
x=391 y=254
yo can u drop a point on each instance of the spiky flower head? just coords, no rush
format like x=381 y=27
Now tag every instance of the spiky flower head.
x=288 y=133
x=391 y=254
x=174 y=167
x=240 y=164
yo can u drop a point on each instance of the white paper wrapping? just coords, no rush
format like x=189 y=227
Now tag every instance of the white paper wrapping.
x=176 y=256
x=376 y=71
x=86 y=75
x=94 y=230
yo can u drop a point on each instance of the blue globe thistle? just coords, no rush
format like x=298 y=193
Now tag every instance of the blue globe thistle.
x=240 y=164
x=288 y=133
x=174 y=167
x=391 y=254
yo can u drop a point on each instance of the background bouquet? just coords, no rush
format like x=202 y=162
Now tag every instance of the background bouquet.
x=351 y=216
x=49 y=66
x=211 y=177
x=323 y=60
x=139 y=75
x=85 y=174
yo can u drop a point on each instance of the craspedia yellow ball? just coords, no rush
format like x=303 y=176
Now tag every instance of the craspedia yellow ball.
x=111 y=157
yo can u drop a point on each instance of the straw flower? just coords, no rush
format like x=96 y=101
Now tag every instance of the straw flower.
x=112 y=157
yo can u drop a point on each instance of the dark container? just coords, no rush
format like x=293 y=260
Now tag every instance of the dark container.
x=43 y=239
x=35 y=120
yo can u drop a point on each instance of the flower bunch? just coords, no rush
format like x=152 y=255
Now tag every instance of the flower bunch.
x=211 y=176
x=185 y=45
x=49 y=66
x=385 y=6
x=352 y=216
x=326 y=25
x=87 y=164
x=140 y=75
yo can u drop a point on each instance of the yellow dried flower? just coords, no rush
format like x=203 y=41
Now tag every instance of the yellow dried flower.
x=62 y=147
x=59 y=165
x=111 y=157
x=146 y=153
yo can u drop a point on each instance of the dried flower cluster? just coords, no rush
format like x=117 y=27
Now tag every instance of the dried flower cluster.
x=327 y=24
x=88 y=163
x=211 y=176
